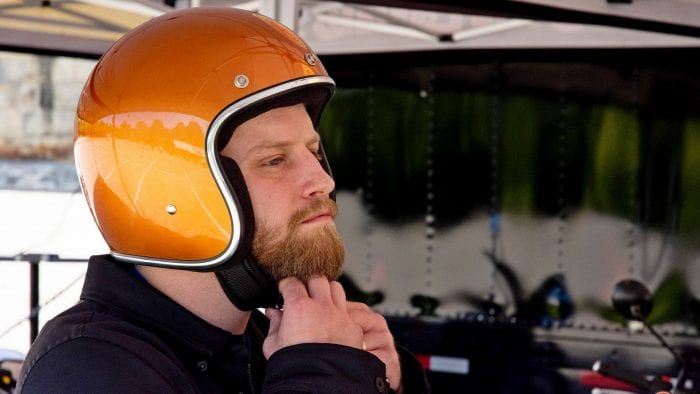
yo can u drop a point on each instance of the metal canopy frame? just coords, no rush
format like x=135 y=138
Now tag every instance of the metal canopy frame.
x=86 y=28
x=679 y=17
x=75 y=28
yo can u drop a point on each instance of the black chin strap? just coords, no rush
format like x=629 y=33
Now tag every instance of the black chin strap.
x=248 y=286
x=245 y=283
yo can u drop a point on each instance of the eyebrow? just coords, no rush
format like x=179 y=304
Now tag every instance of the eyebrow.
x=273 y=144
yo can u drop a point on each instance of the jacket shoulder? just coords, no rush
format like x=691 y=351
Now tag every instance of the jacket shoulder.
x=79 y=351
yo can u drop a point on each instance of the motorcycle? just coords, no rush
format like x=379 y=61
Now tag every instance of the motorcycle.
x=634 y=302
x=10 y=366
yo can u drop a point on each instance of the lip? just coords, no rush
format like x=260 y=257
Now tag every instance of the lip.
x=320 y=217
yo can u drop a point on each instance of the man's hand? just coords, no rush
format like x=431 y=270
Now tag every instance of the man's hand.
x=378 y=340
x=313 y=313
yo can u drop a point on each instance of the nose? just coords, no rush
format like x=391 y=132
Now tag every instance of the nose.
x=317 y=182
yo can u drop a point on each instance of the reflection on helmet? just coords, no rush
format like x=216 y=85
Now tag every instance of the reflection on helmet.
x=153 y=115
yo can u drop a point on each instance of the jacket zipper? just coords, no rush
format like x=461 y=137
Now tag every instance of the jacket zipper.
x=250 y=378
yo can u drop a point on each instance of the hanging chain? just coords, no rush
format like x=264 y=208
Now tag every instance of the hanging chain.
x=495 y=141
x=368 y=190
x=633 y=206
x=562 y=144
x=429 y=94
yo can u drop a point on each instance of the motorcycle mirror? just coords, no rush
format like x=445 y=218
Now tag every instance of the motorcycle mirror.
x=632 y=299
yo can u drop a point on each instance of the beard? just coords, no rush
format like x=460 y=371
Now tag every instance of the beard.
x=301 y=254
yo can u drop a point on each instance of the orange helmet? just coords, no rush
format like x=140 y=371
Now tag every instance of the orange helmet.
x=155 y=112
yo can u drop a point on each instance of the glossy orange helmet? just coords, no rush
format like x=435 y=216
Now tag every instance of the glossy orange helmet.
x=153 y=116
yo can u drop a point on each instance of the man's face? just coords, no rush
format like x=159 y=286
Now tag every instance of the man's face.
x=295 y=235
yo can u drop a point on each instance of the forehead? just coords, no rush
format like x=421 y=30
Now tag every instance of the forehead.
x=276 y=127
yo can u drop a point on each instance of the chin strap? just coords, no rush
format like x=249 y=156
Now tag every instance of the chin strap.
x=248 y=286
x=245 y=283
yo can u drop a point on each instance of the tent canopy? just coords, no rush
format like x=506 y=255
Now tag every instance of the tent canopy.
x=72 y=28
x=86 y=28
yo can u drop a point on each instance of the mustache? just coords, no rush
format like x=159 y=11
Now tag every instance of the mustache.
x=316 y=208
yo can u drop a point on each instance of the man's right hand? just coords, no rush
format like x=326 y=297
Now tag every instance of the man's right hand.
x=313 y=313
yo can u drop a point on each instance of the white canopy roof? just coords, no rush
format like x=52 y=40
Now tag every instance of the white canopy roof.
x=86 y=28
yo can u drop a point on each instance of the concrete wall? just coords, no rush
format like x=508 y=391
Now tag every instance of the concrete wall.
x=38 y=96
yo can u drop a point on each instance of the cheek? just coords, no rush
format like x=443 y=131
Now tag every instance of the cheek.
x=269 y=202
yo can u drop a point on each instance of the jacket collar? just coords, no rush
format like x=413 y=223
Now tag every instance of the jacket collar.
x=119 y=287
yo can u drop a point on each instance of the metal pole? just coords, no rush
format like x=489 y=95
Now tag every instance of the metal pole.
x=34 y=297
x=34 y=308
x=286 y=12
x=34 y=260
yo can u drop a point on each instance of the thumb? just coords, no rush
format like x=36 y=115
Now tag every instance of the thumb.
x=275 y=316
x=270 y=343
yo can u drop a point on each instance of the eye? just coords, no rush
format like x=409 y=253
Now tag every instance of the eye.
x=275 y=161
x=316 y=152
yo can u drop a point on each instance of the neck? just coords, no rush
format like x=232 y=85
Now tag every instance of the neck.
x=200 y=293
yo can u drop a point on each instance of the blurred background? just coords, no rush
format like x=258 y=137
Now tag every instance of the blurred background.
x=500 y=167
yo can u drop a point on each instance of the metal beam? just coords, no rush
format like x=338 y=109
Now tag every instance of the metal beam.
x=660 y=16
x=284 y=11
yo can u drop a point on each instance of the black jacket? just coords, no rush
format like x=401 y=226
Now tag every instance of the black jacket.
x=124 y=336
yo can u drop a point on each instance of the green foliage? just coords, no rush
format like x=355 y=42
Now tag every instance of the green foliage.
x=670 y=299
x=521 y=120
x=689 y=218
x=615 y=162
x=548 y=155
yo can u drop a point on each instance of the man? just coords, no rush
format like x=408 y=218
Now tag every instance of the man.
x=197 y=153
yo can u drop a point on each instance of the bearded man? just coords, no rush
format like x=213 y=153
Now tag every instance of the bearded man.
x=197 y=152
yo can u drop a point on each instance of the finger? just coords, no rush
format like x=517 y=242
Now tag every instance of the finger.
x=319 y=288
x=359 y=306
x=338 y=295
x=275 y=316
x=368 y=320
x=379 y=341
x=270 y=344
x=292 y=290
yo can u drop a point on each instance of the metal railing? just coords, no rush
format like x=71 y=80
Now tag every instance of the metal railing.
x=34 y=260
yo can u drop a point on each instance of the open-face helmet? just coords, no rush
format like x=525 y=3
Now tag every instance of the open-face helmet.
x=155 y=112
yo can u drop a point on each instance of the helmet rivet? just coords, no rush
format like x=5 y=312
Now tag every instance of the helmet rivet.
x=241 y=81
x=310 y=58
x=171 y=209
